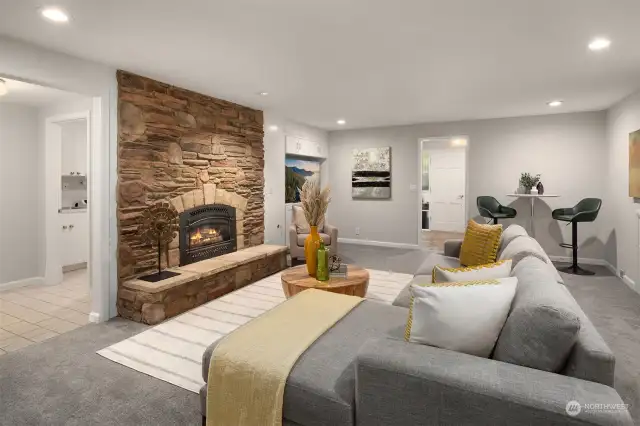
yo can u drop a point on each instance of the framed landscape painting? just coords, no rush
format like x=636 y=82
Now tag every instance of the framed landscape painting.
x=634 y=164
x=296 y=172
x=371 y=173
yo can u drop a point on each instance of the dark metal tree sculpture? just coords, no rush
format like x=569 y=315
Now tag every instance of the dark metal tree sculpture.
x=159 y=227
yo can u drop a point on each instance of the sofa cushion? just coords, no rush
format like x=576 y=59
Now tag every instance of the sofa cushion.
x=520 y=248
x=320 y=389
x=512 y=231
x=325 y=237
x=480 y=244
x=542 y=326
x=426 y=268
x=523 y=246
x=590 y=359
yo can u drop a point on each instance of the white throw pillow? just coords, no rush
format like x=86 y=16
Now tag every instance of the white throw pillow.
x=464 y=317
x=501 y=269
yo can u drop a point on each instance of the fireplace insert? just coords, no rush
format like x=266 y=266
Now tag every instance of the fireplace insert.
x=207 y=231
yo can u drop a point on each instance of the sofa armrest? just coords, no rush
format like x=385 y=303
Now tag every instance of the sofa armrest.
x=332 y=231
x=452 y=248
x=400 y=383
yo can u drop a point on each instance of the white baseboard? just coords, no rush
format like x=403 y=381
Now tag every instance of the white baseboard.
x=22 y=283
x=378 y=243
x=601 y=262
x=94 y=317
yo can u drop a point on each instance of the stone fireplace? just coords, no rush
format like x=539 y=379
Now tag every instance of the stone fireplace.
x=206 y=232
x=178 y=146
x=205 y=156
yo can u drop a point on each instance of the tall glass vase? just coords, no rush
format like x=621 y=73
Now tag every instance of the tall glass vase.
x=311 y=246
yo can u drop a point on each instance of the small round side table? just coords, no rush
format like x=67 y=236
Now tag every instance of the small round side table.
x=295 y=280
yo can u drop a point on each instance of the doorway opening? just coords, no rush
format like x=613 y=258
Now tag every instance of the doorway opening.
x=45 y=140
x=442 y=200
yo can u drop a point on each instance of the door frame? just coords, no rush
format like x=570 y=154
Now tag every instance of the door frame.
x=442 y=139
x=98 y=287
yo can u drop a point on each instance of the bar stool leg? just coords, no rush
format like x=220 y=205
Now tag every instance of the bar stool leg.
x=575 y=268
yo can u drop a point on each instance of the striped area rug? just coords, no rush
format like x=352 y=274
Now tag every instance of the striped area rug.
x=172 y=351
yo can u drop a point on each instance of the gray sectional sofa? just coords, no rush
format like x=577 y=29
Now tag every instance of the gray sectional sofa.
x=362 y=372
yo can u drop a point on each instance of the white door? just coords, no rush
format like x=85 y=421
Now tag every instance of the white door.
x=447 y=185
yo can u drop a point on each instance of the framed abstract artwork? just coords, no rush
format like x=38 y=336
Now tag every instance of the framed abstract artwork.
x=371 y=173
x=634 y=164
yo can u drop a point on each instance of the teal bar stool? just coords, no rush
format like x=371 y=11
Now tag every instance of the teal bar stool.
x=490 y=208
x=585 y=211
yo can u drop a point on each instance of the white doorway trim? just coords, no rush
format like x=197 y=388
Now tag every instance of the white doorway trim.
x=97 y=209
x=446 y=141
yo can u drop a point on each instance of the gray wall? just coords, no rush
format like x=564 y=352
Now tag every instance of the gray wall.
x=620 y=211
x=569 y=150
x=20 y=239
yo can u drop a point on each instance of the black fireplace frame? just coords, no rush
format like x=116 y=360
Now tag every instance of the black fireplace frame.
x=198 y=216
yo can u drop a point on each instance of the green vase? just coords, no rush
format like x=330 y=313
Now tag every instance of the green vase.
x=322 y=272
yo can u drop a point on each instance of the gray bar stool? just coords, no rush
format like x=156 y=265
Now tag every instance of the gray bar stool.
x=585 y=211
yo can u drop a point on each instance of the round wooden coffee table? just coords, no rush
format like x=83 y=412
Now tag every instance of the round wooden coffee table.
x=295 y=280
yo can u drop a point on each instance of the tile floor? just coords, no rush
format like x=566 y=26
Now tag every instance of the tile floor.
x=33 y=314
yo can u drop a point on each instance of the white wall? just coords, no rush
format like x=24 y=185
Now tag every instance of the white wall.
x=19 y=231
x=620 y=232
x=567 y=149
x=23 y=61
x=274 y=155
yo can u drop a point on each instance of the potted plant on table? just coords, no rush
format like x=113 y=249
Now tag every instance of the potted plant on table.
x=314 y=205
x=527 y=182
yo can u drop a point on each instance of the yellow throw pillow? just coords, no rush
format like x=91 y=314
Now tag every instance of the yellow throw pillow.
x=501 y=269
x=480 y=244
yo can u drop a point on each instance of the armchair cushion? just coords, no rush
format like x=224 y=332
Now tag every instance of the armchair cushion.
x=300 y=221
x=325 y=238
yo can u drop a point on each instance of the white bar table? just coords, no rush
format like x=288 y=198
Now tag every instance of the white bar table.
x=532 y=197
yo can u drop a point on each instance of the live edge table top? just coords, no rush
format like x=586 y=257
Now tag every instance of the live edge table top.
x=296 y=279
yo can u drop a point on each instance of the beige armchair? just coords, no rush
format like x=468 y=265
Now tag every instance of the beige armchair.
x=329 y=235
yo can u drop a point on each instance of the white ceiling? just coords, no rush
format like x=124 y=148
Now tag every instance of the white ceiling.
x=19 y=92
x=372 y=62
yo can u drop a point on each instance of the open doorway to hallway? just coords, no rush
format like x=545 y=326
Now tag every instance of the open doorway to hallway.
x=442 y=201
x=44 y=218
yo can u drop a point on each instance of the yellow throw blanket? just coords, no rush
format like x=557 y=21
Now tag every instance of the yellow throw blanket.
x=250 y=366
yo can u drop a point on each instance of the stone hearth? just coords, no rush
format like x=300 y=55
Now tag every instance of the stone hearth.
x=198 y=283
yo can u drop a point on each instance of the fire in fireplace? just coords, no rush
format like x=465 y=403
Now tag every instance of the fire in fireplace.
x=207 y=231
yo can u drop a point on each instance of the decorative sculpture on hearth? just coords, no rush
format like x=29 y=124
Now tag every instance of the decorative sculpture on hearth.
x=159 y=227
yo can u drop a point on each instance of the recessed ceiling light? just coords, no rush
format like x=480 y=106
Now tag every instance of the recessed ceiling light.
x=459 y=142
x=341 y=122
x=264 y=93
x=3 y=87
x=554 y=104
x=599 y=44
x=54 y=14
x=273 y=128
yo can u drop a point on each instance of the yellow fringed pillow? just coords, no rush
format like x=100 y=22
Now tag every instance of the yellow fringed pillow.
x=490 y=271
x=480 y=244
